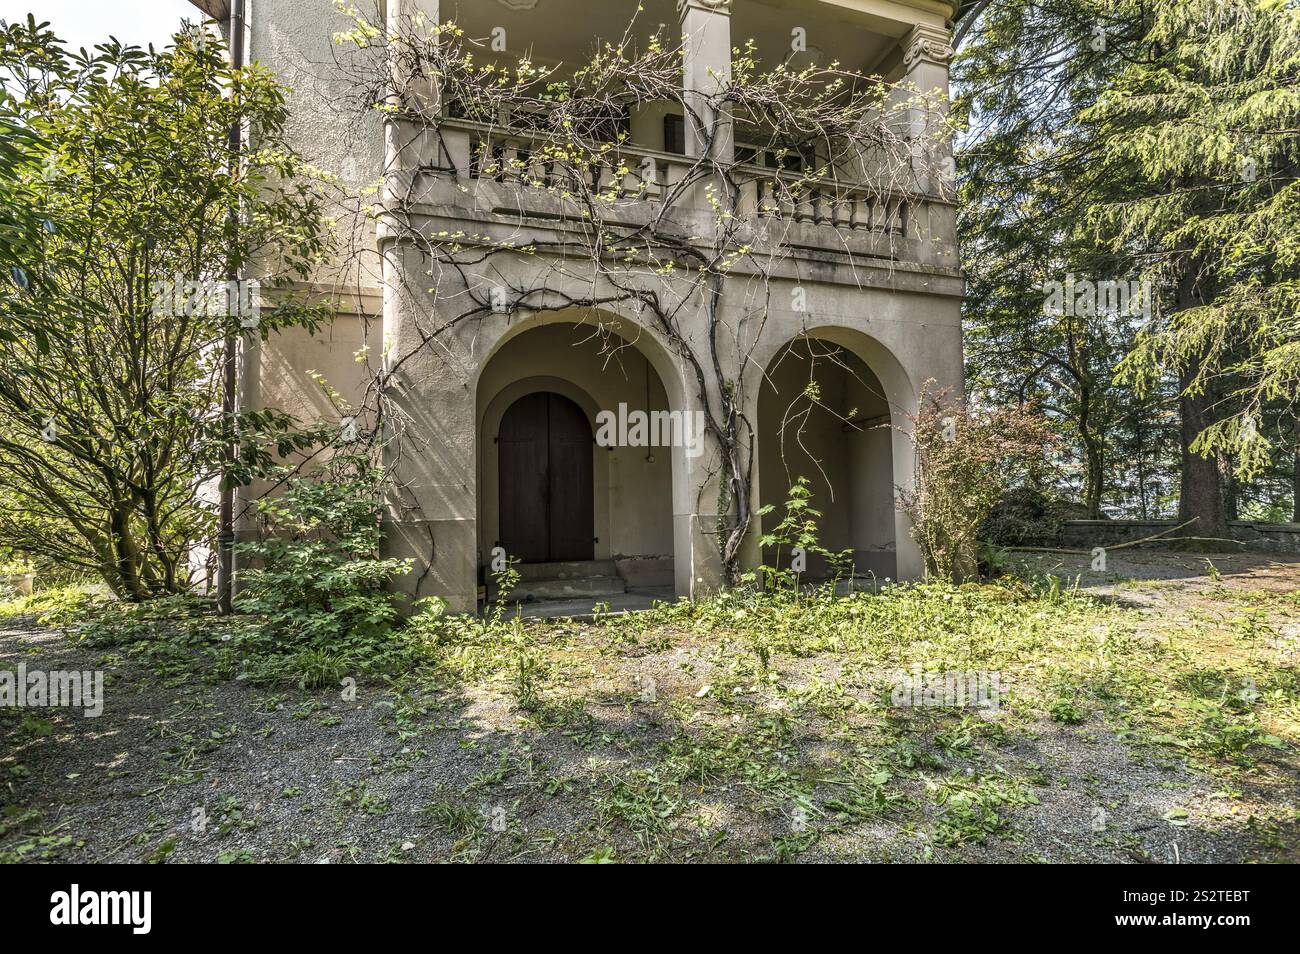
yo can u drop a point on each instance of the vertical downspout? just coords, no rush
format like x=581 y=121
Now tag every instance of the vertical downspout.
x=226 y=527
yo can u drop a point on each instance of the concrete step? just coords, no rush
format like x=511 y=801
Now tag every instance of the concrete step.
x=576 y=579
x=571 y=588
x=566 y=571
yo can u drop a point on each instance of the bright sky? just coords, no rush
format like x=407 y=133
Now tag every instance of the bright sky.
x=87 y=22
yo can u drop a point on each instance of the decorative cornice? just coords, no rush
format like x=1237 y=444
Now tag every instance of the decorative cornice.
x=712 y=6
x=928 y=43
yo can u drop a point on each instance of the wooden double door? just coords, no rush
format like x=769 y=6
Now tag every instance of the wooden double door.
x=545 y=457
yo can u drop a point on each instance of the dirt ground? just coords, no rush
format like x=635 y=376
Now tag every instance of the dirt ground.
x=1186 y=573
x=186 y=769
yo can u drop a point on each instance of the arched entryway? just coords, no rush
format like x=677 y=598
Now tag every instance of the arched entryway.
x=545 y=468
x=824 y=416
x=551 y=496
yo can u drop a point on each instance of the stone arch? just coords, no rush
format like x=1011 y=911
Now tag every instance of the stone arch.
x=900 y=391
x=623 y=326
x=636 y=488
x=852 y=443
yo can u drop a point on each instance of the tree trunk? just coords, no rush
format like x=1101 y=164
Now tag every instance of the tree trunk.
x=125 y=556
x=1295 y=482
x=1094 y=476
x=1139 y=434
x=1094 y=472
x=1231 y=487
x=1200 y=494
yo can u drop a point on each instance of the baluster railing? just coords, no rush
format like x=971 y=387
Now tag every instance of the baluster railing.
x=496 y=154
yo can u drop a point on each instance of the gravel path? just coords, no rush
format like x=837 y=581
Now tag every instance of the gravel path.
x=202 y=771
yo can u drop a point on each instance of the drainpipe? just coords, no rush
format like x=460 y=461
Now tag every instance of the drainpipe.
x=226 y=518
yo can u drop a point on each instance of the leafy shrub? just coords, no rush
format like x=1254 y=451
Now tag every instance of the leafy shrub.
x=797 y=529
x=52 y=605
x=965 y=461
x=1065 y=712
x=316 y=588
x=1025 y=516
x=107 y=423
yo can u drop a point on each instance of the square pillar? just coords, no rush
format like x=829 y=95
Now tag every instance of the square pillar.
x=429 y=440
x=406 y=22
x=927 y=50
x=706 y=71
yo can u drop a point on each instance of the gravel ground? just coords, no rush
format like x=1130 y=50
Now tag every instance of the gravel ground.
x=203 y=771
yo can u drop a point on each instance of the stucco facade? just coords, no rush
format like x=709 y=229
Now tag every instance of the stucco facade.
x=884 y=298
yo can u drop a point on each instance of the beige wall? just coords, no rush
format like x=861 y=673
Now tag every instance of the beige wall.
x=312 y=377
x=288 y=365
x=646 y=125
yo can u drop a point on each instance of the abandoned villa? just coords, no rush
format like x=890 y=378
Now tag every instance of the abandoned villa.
x=605 y=363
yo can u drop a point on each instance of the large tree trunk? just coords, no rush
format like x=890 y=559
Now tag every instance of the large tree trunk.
x=1093 y=441
x=1094 y=475
x=1295 y=481
x=1093 y=467
x=1231 y=486
x=1200 y=494
x=1139 y=435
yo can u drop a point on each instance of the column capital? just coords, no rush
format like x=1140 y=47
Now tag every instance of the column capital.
x=710 y=6
x=928 y=44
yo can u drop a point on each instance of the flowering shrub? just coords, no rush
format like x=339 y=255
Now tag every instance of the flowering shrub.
x=965 y=462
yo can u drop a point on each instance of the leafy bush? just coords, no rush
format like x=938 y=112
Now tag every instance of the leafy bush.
x=52 y=605
x=313 y=606
x=965 y=461
x=1065 y=712
x=797 y=530
x=1024 y=516
x=108 y=407
x=315 y=589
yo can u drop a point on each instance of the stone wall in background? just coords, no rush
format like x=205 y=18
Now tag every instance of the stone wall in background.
x=1085 y=534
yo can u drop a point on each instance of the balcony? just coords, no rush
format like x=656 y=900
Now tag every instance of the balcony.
x=515 y=173
x=474 y=172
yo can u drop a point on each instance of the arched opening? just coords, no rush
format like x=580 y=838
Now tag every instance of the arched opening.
x=584 y=518
x=824 y=416
x=544 y=459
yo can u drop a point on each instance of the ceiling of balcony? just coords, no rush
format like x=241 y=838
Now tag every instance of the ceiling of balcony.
x=555 y=31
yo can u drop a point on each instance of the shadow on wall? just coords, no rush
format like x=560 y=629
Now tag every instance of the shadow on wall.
x=822 y=415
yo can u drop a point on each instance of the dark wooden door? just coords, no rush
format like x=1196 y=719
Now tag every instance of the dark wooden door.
x=570 y=451
x=544 y=453
x=522 y=461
